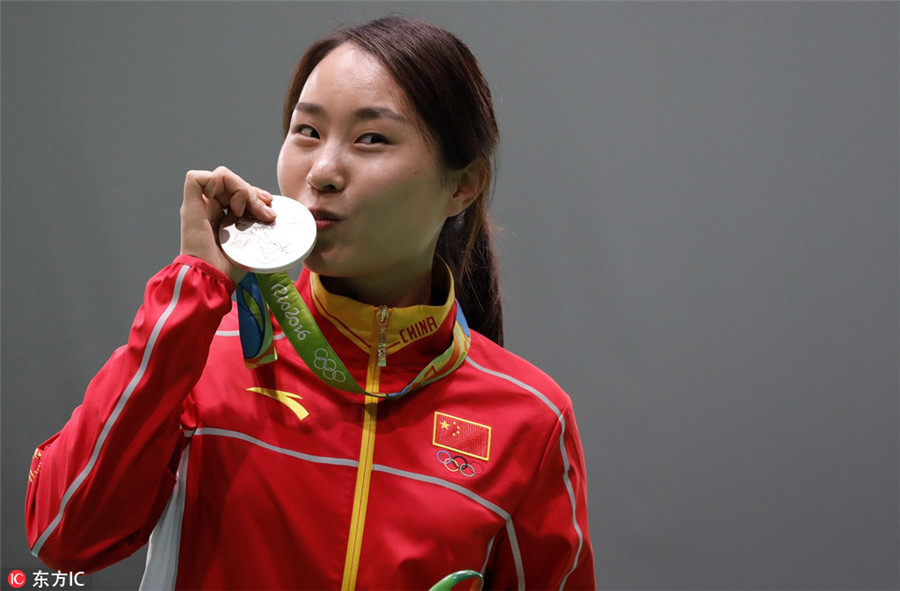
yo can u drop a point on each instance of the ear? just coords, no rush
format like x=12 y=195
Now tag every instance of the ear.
x=468 y=184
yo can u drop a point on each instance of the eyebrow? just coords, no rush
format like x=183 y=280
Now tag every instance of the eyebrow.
x=363 y=114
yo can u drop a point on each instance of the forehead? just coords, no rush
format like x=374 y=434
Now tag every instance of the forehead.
x=349 y=75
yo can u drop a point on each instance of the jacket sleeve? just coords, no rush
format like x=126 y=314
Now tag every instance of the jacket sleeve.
x=546 y=544
x=97 y=488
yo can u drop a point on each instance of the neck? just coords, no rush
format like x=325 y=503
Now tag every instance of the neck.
x=377 y=291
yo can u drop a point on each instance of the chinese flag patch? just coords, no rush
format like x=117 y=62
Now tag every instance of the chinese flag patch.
x=462 y=436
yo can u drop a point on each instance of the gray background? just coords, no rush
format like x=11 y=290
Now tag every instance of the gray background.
x=700 y=204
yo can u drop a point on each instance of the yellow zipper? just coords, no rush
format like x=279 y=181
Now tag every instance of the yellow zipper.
x=382 y=315
x=377 y=360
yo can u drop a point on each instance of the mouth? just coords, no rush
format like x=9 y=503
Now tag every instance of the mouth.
x=325 y=219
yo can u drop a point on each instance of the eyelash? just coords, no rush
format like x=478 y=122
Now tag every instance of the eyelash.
x=376 y=137
x=300 y=129
x=309 y=131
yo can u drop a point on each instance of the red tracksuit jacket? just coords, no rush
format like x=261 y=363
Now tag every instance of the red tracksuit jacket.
x=269 y=479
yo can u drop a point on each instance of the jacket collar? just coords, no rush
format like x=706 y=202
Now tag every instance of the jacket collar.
x=415 y=324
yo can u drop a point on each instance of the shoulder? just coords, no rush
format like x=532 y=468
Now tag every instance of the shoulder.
x=505 y=371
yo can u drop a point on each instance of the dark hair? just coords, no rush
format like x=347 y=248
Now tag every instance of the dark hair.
x=445 y=85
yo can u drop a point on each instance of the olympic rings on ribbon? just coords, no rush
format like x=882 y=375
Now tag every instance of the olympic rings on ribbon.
x=328 y=366
x=459 y=464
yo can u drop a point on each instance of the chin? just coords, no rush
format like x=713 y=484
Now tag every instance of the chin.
x=325 y=266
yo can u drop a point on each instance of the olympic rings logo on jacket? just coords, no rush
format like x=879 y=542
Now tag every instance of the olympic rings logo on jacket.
x=461 y=464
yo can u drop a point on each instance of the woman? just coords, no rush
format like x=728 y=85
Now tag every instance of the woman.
x=264 y=477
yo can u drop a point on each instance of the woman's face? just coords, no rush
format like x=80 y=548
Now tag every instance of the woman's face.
x=356 y=155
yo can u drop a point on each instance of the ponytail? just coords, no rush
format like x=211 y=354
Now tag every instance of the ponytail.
x=465 y=245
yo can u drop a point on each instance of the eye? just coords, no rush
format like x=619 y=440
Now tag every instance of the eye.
x=372 y=139
x=306 y=131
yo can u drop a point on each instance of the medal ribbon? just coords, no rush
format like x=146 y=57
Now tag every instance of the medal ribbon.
x=254 y=323
x=257 y=292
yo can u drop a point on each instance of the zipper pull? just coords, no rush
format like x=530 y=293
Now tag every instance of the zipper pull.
x=382 y=315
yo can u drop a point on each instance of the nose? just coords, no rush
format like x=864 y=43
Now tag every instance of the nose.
x=326 y=174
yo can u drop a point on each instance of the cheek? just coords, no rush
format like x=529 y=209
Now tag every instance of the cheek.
x=418 y=209
x=289 y=172
x=279 y=171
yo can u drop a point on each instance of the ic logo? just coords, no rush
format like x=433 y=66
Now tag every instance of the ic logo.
x=16 y=579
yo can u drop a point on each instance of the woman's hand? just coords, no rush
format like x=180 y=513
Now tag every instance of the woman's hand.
x=206 y=196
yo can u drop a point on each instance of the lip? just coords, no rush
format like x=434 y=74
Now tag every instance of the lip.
x=325 y=219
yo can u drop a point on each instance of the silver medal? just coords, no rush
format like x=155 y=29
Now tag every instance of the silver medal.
x=261 y=247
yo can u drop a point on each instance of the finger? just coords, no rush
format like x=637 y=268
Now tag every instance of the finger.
x=259 y=205
x=247 y=200
x=194 y=183
x=195 y=205
x=225 y=189
x=220 y=185
x=232 y=191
